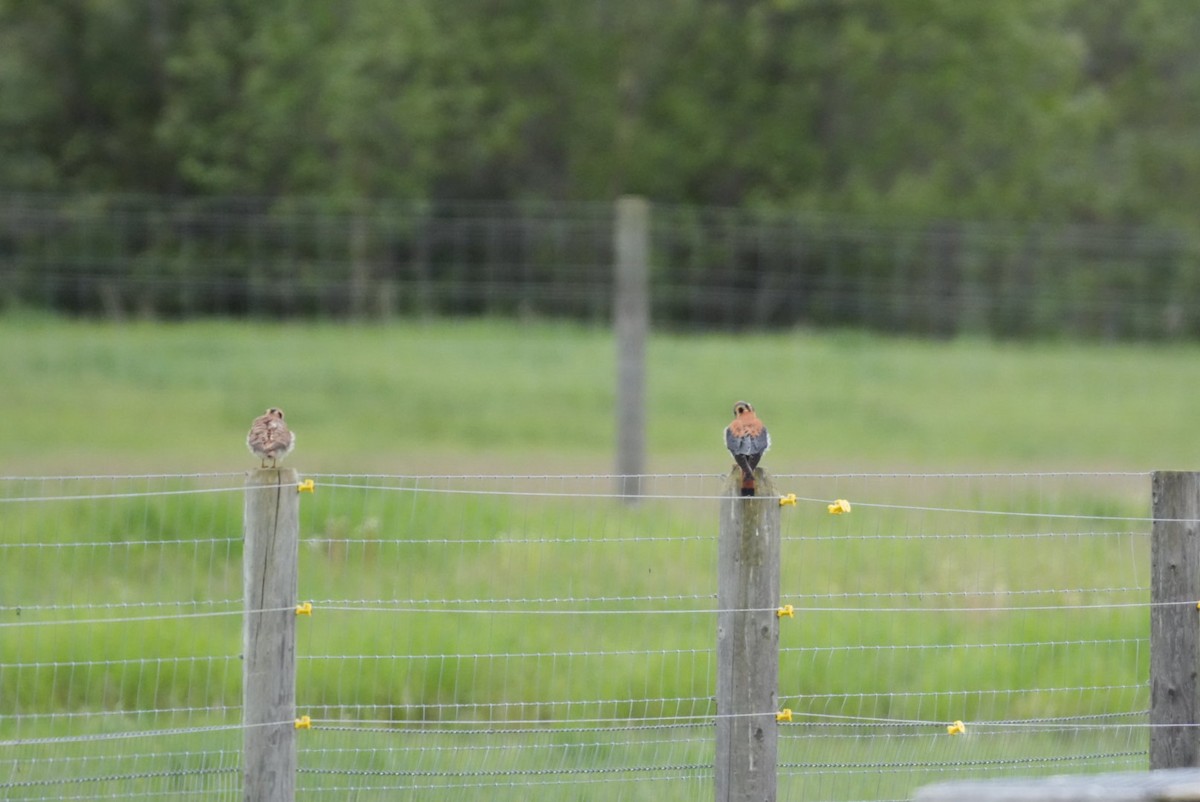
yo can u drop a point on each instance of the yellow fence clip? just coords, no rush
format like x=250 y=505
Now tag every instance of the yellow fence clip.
x=838 y=507
x=307 y=486
x=304 y=609
x=787 y=610
x=784 y=715
x=304 y=723
x=788 y=501
x=957 y=728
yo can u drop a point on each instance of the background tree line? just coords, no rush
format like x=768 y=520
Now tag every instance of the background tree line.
x=185 y=158
x=1081 y=110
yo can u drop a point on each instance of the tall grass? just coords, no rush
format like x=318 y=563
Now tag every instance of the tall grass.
x=446 y=606
x=436 y=609
x=482 y=396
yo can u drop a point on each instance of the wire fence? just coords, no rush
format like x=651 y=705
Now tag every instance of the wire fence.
x=486 y=637
x=123 y=255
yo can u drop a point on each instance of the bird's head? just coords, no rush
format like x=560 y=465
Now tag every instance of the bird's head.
x=275 y=412
x=742 y=407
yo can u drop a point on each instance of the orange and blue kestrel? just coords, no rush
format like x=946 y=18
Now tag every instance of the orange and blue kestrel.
x=747 y=440
x=270 y=439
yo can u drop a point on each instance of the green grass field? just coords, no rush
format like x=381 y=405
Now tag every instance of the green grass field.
x=504 y=398
x=465 y=397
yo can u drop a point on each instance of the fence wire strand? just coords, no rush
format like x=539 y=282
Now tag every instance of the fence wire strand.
x=494 y=637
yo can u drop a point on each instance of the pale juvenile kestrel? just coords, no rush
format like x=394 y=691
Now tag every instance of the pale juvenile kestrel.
x=270 y=438
x=747 y=440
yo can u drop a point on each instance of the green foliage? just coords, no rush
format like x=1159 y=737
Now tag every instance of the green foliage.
x=1071 y=109
x=84 y=85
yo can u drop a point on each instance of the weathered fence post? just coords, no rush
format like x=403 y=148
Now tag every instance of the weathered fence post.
x=1174 y=640
x=269 y=573
x=631 y=323
x=747 y=642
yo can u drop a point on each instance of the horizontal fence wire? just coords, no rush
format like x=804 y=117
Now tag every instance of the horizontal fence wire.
x=121 y=255
x=497 y=637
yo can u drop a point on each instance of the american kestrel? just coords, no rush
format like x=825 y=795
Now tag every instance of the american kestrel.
x=270 y=438
x=747 y=440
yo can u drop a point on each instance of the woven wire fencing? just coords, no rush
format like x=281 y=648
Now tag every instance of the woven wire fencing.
x=174 y=257
x=482 y=637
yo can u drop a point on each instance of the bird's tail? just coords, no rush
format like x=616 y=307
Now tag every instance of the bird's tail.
x=747 y=475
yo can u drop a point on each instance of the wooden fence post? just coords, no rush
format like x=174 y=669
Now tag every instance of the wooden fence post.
x=631 y=323
x=270 y=568
x=1174 y=640
x=747 y=642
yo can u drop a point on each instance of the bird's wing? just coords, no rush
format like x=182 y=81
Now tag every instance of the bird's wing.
x=731 y=440
x=258 y=432
x=268 y=433
x=278 y=435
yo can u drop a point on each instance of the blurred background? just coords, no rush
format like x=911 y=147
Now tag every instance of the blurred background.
x=949 y=250
x=1002 y=172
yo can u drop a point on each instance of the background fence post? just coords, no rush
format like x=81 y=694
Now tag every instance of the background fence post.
x=1174 y=643
x=269 y=573
x=631 y=323
x=747 y=642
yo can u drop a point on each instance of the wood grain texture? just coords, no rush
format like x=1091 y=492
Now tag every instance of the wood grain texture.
x=270 y=567
x=748 y=555
x=1174 y=643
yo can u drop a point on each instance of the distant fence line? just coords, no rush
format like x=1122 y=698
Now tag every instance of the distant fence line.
x=716 y=268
